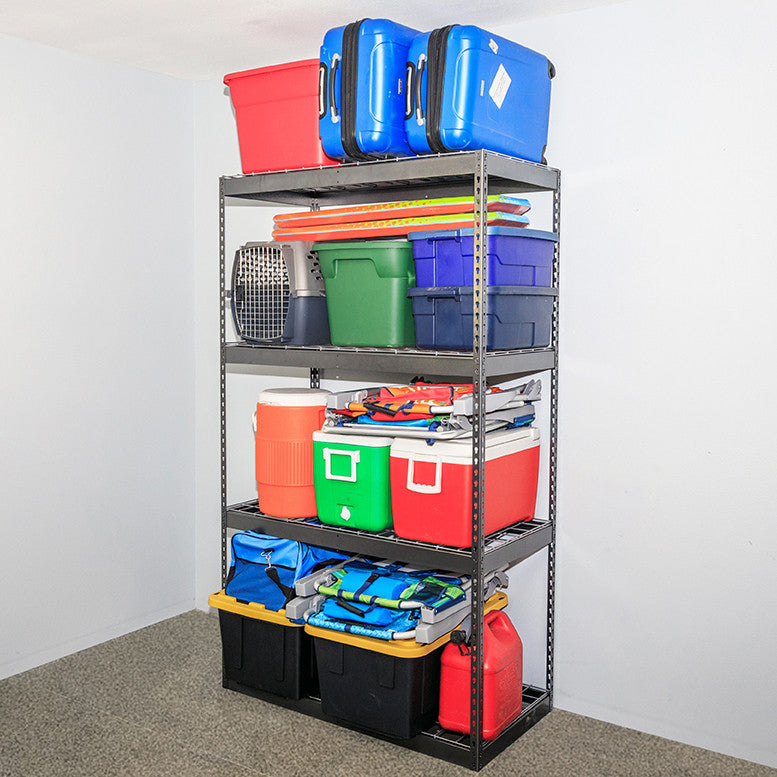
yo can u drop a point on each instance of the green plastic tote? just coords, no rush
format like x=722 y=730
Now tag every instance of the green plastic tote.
x=366 y=291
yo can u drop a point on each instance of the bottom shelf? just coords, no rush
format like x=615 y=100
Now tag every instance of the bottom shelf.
x=435 y=741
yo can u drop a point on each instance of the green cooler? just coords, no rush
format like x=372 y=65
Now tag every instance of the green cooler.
x=366 y=291
x=351 y=477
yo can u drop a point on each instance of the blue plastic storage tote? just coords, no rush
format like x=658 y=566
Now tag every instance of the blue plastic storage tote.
x=516 y=257
x=265 y=568
x=518 y=317
x=468 y=89
x=361 y=105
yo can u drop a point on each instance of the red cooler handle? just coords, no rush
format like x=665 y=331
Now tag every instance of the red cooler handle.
x=422 y=488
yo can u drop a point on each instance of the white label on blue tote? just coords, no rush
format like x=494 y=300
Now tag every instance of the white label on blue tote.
x=499 y=86
x=493 y=45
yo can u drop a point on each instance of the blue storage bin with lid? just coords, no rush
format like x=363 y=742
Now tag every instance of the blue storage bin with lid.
x=518 y=317
x=516 y=257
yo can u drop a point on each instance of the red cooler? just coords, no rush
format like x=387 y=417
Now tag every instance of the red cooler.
x=277 y=117
x=431 y=485
x=285 y=421
x=502 y=679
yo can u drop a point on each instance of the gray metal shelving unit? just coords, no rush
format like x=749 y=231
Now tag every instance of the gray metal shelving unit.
x=465 y=173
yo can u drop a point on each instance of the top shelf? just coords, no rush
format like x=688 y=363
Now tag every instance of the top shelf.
x=393 y=179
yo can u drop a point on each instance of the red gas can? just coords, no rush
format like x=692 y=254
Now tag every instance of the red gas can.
x=502 y=679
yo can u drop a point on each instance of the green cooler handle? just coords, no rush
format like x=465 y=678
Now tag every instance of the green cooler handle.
x=353 y=455
x=422 y=488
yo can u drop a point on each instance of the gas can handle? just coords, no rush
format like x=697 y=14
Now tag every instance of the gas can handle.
x=422 y=488
x=500 y=624
x=354 y=457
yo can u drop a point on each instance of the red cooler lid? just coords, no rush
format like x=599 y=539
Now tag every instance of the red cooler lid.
x=459 y=451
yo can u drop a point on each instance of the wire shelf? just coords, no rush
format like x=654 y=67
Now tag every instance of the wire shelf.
x=502 y=548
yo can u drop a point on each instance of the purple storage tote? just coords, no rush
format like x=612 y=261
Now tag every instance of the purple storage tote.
x=516 y=257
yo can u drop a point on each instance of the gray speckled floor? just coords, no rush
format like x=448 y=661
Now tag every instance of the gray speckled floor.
x=151 y=703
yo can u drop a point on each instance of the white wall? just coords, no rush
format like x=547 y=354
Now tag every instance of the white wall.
x=96 y=382
x=662 y=124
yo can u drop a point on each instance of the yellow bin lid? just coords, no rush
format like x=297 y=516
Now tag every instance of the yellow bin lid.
x=255 y=610
x=399 y=648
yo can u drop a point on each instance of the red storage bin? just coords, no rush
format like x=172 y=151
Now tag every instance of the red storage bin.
x=285 y=421
x=431 y=485
x=277 y=117
x=502 y=679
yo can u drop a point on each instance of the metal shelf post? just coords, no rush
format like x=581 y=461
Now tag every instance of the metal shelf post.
x=479 y=342
x=223 y=378
x=553 y=462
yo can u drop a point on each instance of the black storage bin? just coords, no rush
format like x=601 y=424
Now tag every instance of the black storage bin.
x=393 y=695
x=264 y=651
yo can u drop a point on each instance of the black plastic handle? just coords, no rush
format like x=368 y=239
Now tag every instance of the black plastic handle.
x=409 y=102
x=445 y=293
x=332 y=106
x=418 y=78
x=322 y=71
x=350 y=607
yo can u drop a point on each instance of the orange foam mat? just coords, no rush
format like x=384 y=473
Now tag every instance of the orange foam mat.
x=394 y=210
x=394 y=227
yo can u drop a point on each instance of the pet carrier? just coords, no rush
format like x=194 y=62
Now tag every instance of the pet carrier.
x=278 y=294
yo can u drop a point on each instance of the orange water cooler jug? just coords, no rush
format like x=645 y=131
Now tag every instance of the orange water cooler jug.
x=502 y=679
x=285 y=421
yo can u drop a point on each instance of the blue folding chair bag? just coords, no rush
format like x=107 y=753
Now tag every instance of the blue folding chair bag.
x=364 y=614
x=265 y=568
x=391 y=585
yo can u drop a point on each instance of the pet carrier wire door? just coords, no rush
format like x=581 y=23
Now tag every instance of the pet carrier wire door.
x=278 y=294
x=260 y=292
